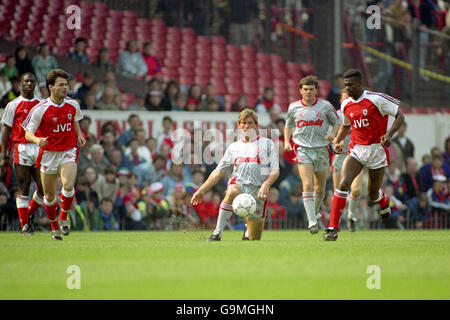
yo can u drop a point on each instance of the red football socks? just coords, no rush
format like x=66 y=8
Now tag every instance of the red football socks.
x=337 y=206
x=22 y=209
x=66 y=203
x=35 y=203
x=51 y=213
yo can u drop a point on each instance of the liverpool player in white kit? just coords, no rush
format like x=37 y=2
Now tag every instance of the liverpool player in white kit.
x=24 y=154
x=367 y=114
x=253 y=164
x=57 y=120
x=309 y=121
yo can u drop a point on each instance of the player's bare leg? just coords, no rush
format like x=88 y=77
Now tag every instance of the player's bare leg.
x=23 y=175
x=38 y=196
x=68 y=174
x=49 y=182
x=225 y=211
x=255 y=227
x=377 y=195
x=353 y=200
x=307 y=177
x=350 y=169
x=320 y=180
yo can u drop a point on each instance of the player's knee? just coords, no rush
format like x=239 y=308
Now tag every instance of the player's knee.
x=24 y=188
x=232 y=192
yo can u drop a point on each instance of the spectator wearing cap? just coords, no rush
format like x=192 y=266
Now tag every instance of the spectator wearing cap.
x=78 y=53
x=107 y=185
x=43 y=63
x=155 y=206
x=131 y=64
x=134 y=216
x=153 y=66
x=104 y=61
x=153 y=101
x=439 y=202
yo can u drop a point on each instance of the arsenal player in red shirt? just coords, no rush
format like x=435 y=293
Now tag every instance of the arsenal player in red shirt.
x=23 y=153
x=57 y=120
x=367 y=113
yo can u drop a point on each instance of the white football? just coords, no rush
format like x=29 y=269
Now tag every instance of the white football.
x=244 y=205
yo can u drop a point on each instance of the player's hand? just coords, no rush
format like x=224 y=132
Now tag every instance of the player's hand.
x=386 y=140
x=263 y=191
x=197 y=198
x=42 y=142
x=329 y=137
x=338 y=148
x=81 y=141
x=287 y=147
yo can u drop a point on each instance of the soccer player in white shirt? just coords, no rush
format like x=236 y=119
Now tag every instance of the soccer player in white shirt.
x=253 y=163
x=309 y=121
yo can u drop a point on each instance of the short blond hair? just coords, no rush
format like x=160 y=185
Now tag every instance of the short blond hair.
x=248 y=113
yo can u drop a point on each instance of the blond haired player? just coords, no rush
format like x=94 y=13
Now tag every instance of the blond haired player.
x=57 y=120
x=309 y=121
x=253 y=164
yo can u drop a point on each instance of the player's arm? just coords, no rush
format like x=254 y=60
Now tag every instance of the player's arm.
x=81 y=139
x=265 y=187
x=399 y=120
x=6 y=134
x=31 y=137
x=334 y=132
x=338 y=142
x=287 y=139
x=212 y=180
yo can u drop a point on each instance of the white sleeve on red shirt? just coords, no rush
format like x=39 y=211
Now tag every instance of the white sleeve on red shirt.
x=10 y=111
x=385 y=103
x=33 y=121
x=78 y=114
x=345 y=120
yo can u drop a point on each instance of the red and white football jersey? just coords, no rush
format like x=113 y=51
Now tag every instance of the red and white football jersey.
x=15 y=113
x=56 y=122
x=369 y=116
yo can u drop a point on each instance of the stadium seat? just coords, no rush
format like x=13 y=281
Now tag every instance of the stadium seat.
x=186 y=80
x=218 y=40
x=306 y=69
x=324 y=88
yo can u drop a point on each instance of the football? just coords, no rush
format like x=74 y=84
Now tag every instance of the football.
x=244 y=205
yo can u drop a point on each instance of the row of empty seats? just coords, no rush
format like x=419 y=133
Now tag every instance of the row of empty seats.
x=184 y=56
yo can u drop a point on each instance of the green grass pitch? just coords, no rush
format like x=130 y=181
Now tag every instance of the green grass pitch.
x=286 y=265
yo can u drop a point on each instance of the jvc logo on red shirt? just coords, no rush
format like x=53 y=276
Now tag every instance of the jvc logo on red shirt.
x=305 y=123
x=63 y=127
x=361 y=123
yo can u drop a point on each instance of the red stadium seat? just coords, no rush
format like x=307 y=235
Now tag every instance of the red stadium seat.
x=218 y=40
x=324 y=88
x=186 y=80
x=307 y=69
x=233 y=73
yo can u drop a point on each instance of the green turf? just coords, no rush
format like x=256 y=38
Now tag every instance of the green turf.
x=181 y=265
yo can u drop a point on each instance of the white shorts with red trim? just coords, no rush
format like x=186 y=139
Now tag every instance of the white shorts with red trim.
x=50 y=161
x=319 y=157
x=25 y=154
x=372 y=156
x=261 y=205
